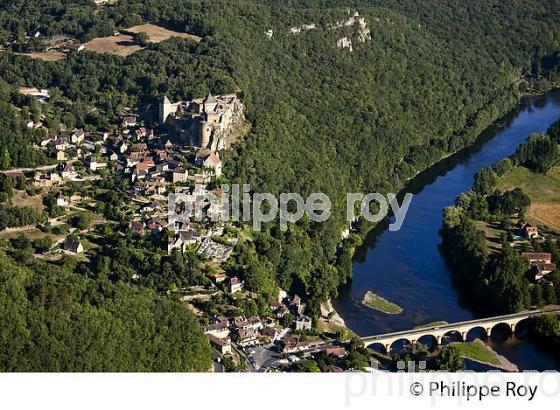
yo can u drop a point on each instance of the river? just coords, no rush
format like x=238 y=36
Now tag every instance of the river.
x=407 y=268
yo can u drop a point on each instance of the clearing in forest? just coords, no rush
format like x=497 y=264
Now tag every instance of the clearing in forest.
x=158 y=33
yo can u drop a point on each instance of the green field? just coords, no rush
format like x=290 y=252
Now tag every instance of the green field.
x=376 y=302
x=540 y=188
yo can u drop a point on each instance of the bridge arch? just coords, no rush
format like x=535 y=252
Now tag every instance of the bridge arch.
x=468 y=330
x=483 y=330
x=520 y=325
x=509 y=328
x=402 y=342
x=428 y=340
x=452 y=335
x=379 y=347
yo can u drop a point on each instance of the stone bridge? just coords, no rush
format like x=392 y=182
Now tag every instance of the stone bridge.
x=462 y=328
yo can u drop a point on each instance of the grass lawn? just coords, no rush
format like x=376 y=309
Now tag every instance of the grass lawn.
x=477 y=351
x=122 y=45
x=213 y=267
x=378 y=303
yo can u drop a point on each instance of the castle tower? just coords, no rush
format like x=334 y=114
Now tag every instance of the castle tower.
x=210 y=103
x=205 y=133
x=165 y=110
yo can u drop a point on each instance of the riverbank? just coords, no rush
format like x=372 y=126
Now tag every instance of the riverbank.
x=497 y=119
x=407 y=267
x=331 y=322
x=479 y=352
x=487 y=262
x=514 y=104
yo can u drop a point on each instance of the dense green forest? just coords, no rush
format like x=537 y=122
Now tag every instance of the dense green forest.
x=91 y=325
x=324 y=119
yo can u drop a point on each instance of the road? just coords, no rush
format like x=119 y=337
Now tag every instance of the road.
x=41 y=168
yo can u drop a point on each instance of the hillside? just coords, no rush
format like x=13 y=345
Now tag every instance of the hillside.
x=91 y=325
x=421 y=80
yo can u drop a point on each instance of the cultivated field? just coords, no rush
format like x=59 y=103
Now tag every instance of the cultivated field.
x=544 y=191
x=546 y=214
x=158 y=33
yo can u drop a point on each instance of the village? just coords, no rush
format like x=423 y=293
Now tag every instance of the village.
x=181 y=156
x=184 y=159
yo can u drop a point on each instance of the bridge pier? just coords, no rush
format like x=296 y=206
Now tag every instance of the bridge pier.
x=464 y=336
x=488 y=331
x=512 y=326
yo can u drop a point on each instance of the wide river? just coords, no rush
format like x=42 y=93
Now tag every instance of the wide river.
x=407 y=268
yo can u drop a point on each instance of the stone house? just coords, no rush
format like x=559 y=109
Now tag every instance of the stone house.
x=73 y=246
x=179 y=175
x=223 y=346
x=235 y=285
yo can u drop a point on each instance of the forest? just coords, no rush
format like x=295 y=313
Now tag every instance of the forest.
x=91 y=325
x=324 y=119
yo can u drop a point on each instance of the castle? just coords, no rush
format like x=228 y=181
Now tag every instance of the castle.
x=203 y=122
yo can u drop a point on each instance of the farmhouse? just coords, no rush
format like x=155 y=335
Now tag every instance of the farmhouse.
x=540 y=270
x=183 y=240
x=129 y=121
x=68 y=172
x=529 y=231
x=219 y=327
x=542 y=257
